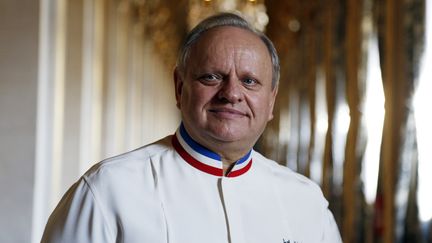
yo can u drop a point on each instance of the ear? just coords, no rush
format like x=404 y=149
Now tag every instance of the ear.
x=272 y=101
x=178 y=84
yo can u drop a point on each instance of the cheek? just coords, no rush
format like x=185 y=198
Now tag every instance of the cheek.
x=195 y=98
x=202 y=95
x=262 y=107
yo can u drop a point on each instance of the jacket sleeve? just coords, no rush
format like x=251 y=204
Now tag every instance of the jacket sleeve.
x=78 y=218
x=331 y=231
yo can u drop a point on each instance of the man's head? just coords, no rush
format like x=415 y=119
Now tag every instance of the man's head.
x=226 y=19
x=226 y=84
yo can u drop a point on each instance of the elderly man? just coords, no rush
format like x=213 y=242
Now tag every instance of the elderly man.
x=205 y=183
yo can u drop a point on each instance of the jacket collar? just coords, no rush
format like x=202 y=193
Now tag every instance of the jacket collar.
x=204 y=159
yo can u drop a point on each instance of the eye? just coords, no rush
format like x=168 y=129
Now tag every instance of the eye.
x=249 y=81
x=210 y=78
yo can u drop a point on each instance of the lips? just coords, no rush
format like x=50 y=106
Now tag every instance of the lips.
x=224 y=112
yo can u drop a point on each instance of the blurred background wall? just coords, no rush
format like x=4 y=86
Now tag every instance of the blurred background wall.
x=18 y=95
x=83 y=80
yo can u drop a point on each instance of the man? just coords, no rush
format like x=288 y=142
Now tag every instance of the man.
x=205 y=183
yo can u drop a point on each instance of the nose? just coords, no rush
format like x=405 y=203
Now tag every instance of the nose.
x=230 y=91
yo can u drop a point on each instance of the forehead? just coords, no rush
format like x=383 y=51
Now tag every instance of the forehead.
x=218 y=39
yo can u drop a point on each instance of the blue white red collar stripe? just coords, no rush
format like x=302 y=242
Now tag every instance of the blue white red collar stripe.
x=204 y=159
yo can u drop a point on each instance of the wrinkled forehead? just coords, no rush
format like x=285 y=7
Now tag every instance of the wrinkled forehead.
x=228 y=38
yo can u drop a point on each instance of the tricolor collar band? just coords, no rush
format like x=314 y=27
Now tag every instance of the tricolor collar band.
x=204 y=159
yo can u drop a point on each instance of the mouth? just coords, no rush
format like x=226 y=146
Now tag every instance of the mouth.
x=227 y=113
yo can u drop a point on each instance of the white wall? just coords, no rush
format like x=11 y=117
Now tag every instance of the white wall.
x=67 y=67
x=18 y=94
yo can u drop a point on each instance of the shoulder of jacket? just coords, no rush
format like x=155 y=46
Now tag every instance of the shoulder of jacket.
x=131 y=160
x=289 y=179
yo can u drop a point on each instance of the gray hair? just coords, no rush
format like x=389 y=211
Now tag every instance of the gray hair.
x=226 y=19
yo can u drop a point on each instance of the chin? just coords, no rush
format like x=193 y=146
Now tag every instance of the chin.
x=227 y=136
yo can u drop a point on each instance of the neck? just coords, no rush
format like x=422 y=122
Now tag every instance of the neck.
x=227 y=152
x=227 y=167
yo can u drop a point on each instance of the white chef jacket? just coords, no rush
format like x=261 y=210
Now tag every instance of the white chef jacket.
x=174 y=191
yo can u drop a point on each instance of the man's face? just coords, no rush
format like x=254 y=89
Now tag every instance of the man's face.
x=225 y=94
